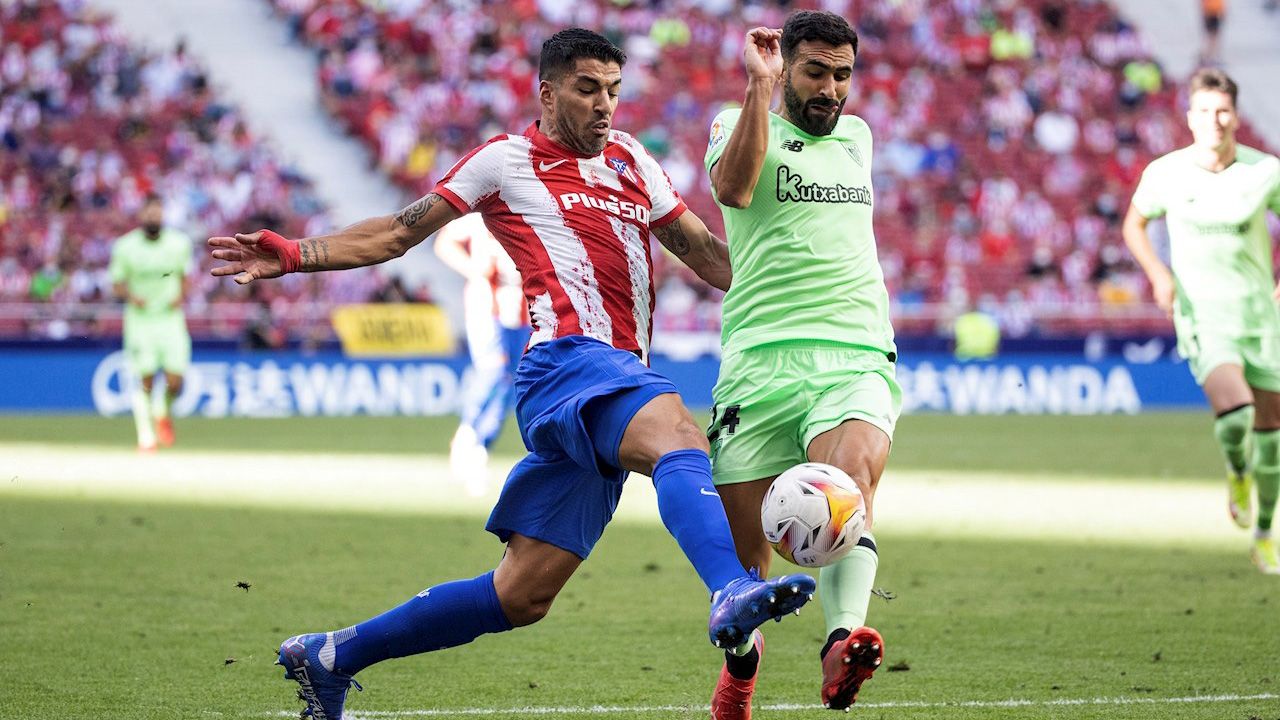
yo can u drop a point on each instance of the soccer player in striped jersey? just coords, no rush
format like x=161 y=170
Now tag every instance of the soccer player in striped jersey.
x=807 y=370
x=573 y=202
x=497 y=329
x=1221 y=290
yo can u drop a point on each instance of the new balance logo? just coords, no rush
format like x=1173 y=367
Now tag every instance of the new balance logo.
x=545 y=166
x=793 y=145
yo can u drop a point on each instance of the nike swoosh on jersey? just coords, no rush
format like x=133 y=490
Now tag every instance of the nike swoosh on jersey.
x=713 y=493
x=545 y=166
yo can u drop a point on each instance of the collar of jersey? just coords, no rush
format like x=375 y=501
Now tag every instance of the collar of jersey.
x=805 y=135
x=541 y=140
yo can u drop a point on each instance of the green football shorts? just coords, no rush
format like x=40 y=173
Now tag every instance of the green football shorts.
x=772 y=401
x=154 y=344
x=1259 y=355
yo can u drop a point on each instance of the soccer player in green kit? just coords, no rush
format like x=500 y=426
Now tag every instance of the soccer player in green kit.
x=149 y=268
x=807 y=371
x=1221 y=291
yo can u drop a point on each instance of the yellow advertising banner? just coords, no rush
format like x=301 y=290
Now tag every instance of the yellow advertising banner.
x=393 y=330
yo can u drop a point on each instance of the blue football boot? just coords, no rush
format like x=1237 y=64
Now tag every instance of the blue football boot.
x=745 y=603
x=308 y=660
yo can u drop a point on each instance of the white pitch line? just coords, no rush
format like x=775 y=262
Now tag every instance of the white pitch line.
x=790 y=707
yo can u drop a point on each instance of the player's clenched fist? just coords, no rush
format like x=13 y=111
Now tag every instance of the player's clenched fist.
x=763 y=54
x=250 y=256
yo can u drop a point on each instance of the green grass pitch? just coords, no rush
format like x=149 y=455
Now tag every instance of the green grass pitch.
x=112 y=609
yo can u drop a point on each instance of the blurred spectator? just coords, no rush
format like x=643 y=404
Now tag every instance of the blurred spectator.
x=1212 y=12
x=88 y=127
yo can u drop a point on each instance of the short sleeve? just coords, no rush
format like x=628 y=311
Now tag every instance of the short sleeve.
x=1147 y=198
x=474 y=178
x=188 y=253
x=118 y=270
x=721 y=129
x=664 y=200
x=1274 y=201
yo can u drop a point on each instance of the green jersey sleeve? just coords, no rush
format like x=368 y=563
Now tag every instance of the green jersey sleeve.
x=721 y=129
x=1148 y=197
x=189 y=266
x=1274 y=202
x=118 y=270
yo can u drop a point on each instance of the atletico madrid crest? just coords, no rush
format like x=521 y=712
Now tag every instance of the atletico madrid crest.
x=621 y=167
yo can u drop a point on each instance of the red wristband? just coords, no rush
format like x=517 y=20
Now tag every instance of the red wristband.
x=287 y=251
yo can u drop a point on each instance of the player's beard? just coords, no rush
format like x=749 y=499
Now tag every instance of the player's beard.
x=797 y=110
x=582 y=141
x=152 y=230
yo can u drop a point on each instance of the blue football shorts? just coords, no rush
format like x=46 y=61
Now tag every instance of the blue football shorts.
x=575 y=397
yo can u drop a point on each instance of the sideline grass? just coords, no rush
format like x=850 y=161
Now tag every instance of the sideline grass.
x=1157 y=446
x=132 y=611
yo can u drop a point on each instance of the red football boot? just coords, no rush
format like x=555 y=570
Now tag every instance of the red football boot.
x=732 y=699
x=847 y=665
x=164 y=432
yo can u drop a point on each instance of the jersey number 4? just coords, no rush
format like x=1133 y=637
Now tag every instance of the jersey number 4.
x=727 y=422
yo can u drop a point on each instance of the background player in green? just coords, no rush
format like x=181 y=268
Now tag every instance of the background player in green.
x=1221 y=293
x=807 y=369
x=149 y=268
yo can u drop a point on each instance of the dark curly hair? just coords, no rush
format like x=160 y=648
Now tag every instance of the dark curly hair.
x=561 y=50
x=816 y=25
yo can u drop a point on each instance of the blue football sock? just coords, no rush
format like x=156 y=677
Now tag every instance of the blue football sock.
x=441 y=617
x=690 y=508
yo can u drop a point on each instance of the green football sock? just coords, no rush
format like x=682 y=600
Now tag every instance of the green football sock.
x=1266 y=473
x=160 y=404
x=844 y=589
x=142 y=419
x=1231 y=430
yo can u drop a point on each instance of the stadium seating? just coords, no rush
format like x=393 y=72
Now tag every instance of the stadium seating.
x=1009 y=134
x=89 y=126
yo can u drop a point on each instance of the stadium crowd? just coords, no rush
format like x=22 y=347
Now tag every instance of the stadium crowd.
x=88 y=127
x=1009 y=133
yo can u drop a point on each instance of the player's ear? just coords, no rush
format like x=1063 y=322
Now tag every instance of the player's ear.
x=546 y=93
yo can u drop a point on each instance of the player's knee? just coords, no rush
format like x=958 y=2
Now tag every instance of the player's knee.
x=527 y=606
x=690 y=436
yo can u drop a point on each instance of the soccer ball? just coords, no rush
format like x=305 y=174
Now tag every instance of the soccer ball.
x=813 y=514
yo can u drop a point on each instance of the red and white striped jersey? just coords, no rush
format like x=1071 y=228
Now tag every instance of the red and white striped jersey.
x=577 y=228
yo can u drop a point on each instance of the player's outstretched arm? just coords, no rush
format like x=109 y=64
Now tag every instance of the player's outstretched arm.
x=735 y=174
x=265 y=254
x=1139 y=242
x=707 y=255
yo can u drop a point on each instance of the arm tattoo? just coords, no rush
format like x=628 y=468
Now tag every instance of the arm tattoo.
x=673 y=238
x=315 y=254
x=413 y=214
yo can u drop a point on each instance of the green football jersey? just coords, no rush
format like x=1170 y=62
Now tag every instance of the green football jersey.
x=1219 y=245
x=804 y=253
x=152 y=270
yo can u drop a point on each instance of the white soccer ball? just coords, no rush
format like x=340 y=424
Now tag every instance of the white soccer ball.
x=813 y=514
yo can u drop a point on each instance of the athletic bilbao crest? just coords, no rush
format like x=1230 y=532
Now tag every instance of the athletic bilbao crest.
x=854 y=152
